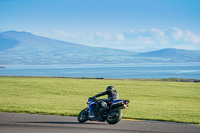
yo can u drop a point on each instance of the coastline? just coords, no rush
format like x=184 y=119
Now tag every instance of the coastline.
x=178 y=72
x=101 y=78
x=2 y=67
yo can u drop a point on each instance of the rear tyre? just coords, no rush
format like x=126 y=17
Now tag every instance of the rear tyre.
x=83 y=115
x=115 y=117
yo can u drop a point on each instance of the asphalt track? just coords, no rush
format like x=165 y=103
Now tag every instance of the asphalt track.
x=32 y=123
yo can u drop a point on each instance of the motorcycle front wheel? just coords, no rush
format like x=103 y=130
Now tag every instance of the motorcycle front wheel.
x=114 y=117
x=83 y=115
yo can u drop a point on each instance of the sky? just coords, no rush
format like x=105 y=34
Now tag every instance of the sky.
x=136 y=25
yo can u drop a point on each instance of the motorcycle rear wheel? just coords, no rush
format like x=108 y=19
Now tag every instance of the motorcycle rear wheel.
x=116 y=118
x=83 y=115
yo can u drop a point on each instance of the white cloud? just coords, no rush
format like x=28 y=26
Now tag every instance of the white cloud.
x=158 y=32
x=107 y=36
x=159 y=36
x=62 y=33
x=186 y=36
x=120 y=37
x=146 y=36
x=100 y=35
x=177 y=33
x=192 y=37
x=131 y=39
x=186 y=46
x=132 y=31
x=40 y=33
x=59 y=34
x=140 y=40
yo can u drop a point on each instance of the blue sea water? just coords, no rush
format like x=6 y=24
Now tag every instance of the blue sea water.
x=115 y=71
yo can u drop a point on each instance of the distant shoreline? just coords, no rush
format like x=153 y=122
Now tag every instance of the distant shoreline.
x=2 y=67
x=101 y=78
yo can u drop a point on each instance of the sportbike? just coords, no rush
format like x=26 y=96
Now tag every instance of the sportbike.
x=98 y=110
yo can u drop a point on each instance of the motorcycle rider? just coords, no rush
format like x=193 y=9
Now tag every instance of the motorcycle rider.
x=112 y=95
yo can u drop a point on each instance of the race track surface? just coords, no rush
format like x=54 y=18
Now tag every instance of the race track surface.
x=32 y=123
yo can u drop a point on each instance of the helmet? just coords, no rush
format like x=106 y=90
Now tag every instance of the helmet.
x=110 y=88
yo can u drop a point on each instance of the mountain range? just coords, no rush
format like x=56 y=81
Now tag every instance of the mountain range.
x=23 y=48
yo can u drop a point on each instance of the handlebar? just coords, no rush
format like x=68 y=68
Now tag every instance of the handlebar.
x=93 y=99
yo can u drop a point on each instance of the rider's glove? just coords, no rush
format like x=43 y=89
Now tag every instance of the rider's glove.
x=93 y=98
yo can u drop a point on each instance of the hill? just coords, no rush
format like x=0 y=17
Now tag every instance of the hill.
x=23 y=48
x=173 y=55
x=26 y=48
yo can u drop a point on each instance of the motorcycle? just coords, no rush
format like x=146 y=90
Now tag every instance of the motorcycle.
x=98 y=110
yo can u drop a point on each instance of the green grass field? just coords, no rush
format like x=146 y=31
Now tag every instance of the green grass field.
x=150 y=100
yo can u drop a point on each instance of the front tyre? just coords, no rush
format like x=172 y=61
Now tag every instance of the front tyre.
x=114 y=117
x=83 y=115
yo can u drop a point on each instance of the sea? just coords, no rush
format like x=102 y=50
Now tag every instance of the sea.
x=113 y=71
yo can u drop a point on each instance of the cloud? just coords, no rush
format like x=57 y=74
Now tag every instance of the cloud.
x=186 y=36
x=40 y=33
x=158 y=32
x=62 y=33
x=159 y=36
x=146 y=36
x=186 y=46
x=94 y=35
x=120 y=37
x=177 y=33
x=142 y=39
x=56 y=34
x=145 y=39
x=191 y=37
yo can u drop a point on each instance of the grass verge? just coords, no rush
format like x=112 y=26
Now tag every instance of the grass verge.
x=149 y=100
